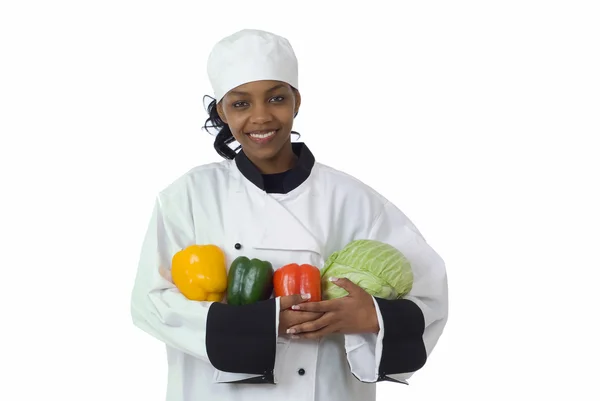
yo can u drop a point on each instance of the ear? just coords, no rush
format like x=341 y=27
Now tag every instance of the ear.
x=298 y=101
x=220 y=112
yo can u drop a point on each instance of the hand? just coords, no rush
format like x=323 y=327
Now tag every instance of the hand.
x=289 y=318
x=352 y=314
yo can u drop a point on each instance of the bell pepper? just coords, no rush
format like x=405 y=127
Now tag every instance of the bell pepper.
x=200 y=272
x=249 y=281
x=298 y=279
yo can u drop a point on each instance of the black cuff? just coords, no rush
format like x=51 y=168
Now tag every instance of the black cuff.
x=242 y=339
x=403 y=347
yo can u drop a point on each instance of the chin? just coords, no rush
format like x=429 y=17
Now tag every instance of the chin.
x=262 y=153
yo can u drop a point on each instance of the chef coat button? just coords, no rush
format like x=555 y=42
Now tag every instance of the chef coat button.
x=301 y=372
x=238 y=246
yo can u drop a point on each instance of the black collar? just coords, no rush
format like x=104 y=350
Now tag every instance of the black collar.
x=290 y=180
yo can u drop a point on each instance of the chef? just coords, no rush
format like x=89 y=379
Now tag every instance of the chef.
x=270 y=199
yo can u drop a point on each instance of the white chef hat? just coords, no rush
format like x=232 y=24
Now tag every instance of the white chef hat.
x=251 y=55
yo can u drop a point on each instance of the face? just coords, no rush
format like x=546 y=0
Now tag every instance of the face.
x=260 y=115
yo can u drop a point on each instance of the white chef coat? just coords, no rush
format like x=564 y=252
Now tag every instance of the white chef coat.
x=217 y=204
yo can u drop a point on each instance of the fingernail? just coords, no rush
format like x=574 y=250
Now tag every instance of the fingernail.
x=291 y=331
x=305 y=296
x=333 y=279
x=295 y=307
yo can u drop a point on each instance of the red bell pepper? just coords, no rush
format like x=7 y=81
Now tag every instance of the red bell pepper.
x=298 y=279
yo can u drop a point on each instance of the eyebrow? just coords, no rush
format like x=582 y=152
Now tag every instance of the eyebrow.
x=241 y=93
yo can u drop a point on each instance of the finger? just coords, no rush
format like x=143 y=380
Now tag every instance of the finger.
x=313 y=325
x=315 y=335
x=296 y=317
x=346 y=285
x=289 y=300
x=320 y=307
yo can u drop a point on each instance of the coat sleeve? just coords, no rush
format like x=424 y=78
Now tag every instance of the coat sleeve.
x=205 y=330
x=410 y=327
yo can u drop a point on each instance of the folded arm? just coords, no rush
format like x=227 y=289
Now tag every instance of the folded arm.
x=409 y=328
x=205 y=330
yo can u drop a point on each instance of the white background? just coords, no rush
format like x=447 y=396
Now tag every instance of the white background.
x=479 y=119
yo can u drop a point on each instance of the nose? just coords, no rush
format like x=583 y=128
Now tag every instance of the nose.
x=260 y=115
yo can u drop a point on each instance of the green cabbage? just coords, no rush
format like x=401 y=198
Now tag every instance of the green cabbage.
x=378 y=268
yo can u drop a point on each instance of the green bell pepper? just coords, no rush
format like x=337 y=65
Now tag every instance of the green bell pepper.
x=249 y=281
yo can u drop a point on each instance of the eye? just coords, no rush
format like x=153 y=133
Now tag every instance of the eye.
x=278 y=99
x=239 y=104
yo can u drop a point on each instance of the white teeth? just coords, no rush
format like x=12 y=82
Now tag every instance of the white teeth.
x=262 y=136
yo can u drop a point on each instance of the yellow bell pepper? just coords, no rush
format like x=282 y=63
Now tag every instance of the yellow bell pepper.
x=200 y=272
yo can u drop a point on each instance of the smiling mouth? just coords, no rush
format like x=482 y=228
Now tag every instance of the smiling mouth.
x=262 y=137
x=261 y=134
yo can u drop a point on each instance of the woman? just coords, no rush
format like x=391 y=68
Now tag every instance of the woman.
x=273 y=201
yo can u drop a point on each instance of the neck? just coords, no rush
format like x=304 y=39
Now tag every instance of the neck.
x=282 y=161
